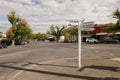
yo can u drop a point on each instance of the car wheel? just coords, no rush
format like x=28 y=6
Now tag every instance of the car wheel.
x=88 y=42
x=95 y=42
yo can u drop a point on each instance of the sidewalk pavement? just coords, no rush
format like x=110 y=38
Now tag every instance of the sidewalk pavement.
x=99 y=68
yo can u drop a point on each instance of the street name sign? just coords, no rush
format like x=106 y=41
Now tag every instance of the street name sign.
x=88 y=24
x=87 y=29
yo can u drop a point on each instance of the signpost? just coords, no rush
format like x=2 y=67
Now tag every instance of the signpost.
x=87 y=29
x=79 y=45
x=83 y=26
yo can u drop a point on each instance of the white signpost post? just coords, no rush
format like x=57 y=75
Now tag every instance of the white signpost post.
x=84 y=26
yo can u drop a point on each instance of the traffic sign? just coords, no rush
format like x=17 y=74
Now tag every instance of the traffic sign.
x=88 y=24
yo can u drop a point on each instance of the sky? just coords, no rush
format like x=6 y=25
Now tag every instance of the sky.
x=40 y=14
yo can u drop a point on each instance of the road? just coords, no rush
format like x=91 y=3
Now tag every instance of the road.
x=22 y=56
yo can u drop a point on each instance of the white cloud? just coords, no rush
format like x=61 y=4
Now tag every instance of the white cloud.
x=41 y=13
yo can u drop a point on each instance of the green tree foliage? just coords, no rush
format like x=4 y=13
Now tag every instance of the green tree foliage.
x=111 y=27
x=56 y=31
x=19 y=29
x=34 y=36
x=73 y=31
x=39 y=36
x=116 y=14
x=13 y=18
x=10 y=33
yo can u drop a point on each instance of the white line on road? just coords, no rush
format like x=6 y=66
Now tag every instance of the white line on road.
x=20 y=72
x=6 y=55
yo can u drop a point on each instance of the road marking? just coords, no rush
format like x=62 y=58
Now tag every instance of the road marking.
x=20 y=72
x=17 y=74
x=116 y=59
x=17 y=53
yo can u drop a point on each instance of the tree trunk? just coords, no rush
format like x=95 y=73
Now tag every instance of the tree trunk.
x=57 y=39
x=13 y=42
x=118 y=22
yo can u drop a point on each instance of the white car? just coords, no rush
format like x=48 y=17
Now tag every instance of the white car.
x=92 y=40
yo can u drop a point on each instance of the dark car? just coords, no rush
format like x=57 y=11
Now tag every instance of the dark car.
x=1 y=45
x=111 y=40
x=18 y=42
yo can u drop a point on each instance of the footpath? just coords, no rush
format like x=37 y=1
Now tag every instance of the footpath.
x=97 y=68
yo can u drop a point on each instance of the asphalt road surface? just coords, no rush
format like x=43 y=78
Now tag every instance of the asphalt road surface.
x=22 y=56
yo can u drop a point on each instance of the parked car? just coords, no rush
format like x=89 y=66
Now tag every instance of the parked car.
x=4 y=45
x=1 y=45
x=92 y=40
x=111 y=40
x=24 y=42
x=18 y=42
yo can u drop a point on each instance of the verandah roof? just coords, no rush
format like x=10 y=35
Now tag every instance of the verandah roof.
x=102 y=33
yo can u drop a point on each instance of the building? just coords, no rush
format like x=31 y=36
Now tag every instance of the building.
x=100 y=32
x=2 y=36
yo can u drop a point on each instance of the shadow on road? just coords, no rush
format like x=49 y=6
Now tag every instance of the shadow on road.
x=52 y=65
x=116 y=69
x=59 y=74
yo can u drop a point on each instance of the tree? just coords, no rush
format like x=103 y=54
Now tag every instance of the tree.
x=23 y=31
x=116 y=14
x=19 y=29
x=56 y=31
x=13 y=18
x=10 y=33
x=40 y=36
x=72 y=31
x=111 y=27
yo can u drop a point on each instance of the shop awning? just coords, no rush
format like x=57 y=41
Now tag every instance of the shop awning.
x=117 y=33
x=102 y=33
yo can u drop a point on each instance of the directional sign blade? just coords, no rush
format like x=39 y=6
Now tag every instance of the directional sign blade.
x=88 y=24
x=87 y=29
